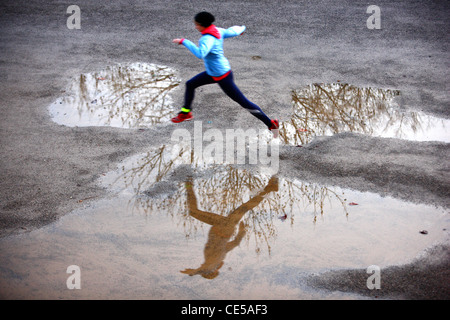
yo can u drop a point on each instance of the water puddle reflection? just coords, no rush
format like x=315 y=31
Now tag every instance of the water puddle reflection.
x=125 y=96
x=327 y=109
x=177 y=230
x=215 y=193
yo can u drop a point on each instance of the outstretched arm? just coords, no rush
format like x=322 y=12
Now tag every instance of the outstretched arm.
x=204 y=46
x=233 y=31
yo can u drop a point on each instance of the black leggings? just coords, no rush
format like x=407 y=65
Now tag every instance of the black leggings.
x=229 y=87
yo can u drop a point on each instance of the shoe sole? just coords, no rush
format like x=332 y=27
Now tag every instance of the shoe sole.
x=183 y=120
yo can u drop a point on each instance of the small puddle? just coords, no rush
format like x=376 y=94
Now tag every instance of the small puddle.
x=328 y=109
x=179 y=230
x=125 y=96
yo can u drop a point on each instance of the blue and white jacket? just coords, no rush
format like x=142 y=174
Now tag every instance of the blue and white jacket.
x=210 y=49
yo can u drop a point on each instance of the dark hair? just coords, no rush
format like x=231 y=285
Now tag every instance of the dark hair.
x=205 y=19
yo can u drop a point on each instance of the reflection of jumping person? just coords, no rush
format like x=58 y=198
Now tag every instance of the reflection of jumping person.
x=218 y=68
x=222 y=229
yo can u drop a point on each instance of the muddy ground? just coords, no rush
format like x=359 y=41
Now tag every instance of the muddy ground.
x=47 y=168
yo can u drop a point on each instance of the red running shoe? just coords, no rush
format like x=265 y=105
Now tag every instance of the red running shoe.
x=274 y=127
x=182 y=117
x=275 y=124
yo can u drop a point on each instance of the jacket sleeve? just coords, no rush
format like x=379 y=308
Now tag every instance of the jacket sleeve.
x=233 y=31
x=204 y=46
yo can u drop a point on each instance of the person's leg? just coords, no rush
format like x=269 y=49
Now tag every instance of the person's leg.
x=236 y=215
x=194 y=211
x=229 y=87
x=199 y=80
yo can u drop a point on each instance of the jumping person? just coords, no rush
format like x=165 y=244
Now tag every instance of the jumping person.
x=217 y=67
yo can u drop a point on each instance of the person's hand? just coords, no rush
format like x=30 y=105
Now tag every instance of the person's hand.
x=177 y=41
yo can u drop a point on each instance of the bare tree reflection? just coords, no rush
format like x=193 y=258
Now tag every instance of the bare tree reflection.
x=221 y=189
x=152 y=167
x=327 y=109
x=127 y=96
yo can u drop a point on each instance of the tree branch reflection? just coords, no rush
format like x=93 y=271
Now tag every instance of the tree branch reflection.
x=221 y=189
x=125 y=96
x=327 y=109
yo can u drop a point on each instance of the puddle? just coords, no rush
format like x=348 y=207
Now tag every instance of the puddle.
x=125 y=96
x=327 y=109
x=213 y=232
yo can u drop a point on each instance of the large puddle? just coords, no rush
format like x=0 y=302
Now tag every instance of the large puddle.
x=214 y=232
x=179 y=227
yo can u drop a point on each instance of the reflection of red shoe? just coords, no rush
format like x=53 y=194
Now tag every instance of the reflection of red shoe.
x=182 y=117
